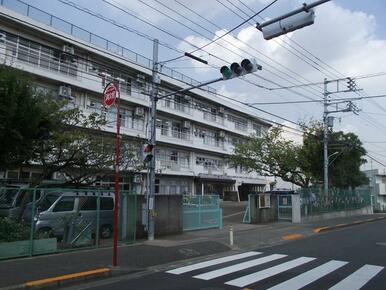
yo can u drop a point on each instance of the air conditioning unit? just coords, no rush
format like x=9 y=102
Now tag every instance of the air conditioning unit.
x=139 y=111
x=221 y=110
x=137 y=178
x=68 y=49
x=65 y=92
x=186 y=124
x=221 y=134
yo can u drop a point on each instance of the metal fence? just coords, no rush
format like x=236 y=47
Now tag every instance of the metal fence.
x=47 y=220
x=201 y=212
x=284 y=207
x=314 y=201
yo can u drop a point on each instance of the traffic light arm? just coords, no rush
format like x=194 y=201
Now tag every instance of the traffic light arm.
x=190 y=88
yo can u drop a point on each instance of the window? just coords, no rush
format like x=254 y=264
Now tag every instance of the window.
x=257 y=129
x=65 y=204
x=47 y=201
x=107 y=203
x=88 y=203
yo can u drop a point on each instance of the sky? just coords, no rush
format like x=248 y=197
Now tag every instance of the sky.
x=348 y=39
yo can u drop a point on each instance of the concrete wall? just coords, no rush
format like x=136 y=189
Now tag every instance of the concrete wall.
x=168 y=219
x=263 y=215
x=338 y=214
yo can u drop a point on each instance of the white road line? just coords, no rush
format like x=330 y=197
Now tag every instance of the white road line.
x=238 y=267
x=257 y=276
x=358 y=279
x=310 y=276
x=212 y=263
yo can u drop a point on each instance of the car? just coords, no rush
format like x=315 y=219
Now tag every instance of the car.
x=76 y=210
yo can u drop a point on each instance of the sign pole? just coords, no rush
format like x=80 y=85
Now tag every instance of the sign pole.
x=116 y=185
x=109 y=95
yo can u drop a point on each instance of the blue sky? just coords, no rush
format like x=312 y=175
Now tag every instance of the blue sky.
x=348 y=35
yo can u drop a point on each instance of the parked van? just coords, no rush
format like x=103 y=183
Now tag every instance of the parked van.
x=77 y=209
x=13 y=199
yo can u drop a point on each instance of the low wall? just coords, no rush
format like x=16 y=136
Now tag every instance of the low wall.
x=263 y=215
x=338 y=214
x=168 y=215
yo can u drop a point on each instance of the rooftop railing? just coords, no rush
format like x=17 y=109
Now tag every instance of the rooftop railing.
x=87 y=36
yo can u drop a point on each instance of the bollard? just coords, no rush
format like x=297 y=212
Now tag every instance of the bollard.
x=231 y=235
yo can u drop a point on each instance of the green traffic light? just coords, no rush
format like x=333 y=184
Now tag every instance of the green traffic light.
x=226 y=72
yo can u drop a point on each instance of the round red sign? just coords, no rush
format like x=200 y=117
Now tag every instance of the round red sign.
x=109 y=95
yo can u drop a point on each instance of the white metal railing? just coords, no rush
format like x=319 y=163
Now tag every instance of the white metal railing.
x=213 y=118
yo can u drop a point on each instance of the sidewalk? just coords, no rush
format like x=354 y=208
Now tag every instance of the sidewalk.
x=137 y=257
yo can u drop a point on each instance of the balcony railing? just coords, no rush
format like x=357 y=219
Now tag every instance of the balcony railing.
x=175 y=133
x=82 y=34
x=213 y=118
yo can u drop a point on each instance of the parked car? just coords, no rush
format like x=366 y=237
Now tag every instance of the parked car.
x=43 y=202
x=13 y=199
x=77 y=210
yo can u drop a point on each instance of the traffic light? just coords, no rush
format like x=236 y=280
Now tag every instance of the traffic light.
x=236 y=70
x=147 y=153
x=351 y=84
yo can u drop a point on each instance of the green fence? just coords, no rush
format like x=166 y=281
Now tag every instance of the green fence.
x=48 y=220
x=201 y=212
x=314 y=201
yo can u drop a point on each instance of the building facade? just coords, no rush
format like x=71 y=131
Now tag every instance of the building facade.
x=196 y=130
x=377 y=184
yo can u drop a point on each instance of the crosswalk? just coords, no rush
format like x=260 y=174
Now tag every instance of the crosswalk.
x=241 y=268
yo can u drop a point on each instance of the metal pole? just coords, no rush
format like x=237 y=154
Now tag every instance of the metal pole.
x=116 y=185
x=325 y=138
x=31 y=238
x=154 y=91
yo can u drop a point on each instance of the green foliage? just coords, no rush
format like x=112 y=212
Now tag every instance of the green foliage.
x=37 y=128
x=22 y=118
x=11 y=231
x=302 y=164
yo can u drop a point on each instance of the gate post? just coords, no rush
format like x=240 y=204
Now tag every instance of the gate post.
x=296 y=208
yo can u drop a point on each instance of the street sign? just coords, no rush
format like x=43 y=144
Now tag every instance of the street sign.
x=109 y=94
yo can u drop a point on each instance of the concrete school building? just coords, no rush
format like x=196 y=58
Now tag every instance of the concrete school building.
x=196 y=130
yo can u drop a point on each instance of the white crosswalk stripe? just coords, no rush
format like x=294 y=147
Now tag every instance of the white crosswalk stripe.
x=309 y=276
x=263 y=274
x=212 y=263
x=358 y=279
x=354 y=281
x=238 y=267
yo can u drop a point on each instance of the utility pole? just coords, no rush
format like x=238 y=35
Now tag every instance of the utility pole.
x=154 y=98
x=351 y=87
x=236 y=70
x=325 y=137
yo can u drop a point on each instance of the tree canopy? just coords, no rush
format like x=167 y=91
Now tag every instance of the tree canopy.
x=302 y=164
x=40 y=129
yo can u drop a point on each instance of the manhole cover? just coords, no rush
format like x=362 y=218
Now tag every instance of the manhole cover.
x=188 y=252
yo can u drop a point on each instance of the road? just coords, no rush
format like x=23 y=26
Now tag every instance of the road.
x=349 y=258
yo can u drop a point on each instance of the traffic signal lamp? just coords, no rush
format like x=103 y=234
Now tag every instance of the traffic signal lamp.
x=236 y=70
x=147 y=153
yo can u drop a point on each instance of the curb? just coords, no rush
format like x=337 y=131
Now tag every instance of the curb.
x=338 y=226
x=61 y=280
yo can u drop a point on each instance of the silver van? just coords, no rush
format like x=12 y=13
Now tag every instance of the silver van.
x=13 y=199
x=77 y=209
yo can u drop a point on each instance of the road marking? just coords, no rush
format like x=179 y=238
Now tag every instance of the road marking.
x=212 y=263
x=292 y=237
x=258 y=276
x=358 y=279
x=67 y=277
x=310 y=276
x=238 y=267
x=233 y=214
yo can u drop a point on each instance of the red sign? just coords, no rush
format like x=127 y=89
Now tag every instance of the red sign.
x=109 y=94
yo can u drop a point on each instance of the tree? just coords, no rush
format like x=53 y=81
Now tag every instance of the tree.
x=346 y=155
x=40 y=129
x=22 y=115
x=272 y=155
x=302 y=164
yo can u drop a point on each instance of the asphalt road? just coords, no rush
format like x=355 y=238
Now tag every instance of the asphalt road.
x=349 y=258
